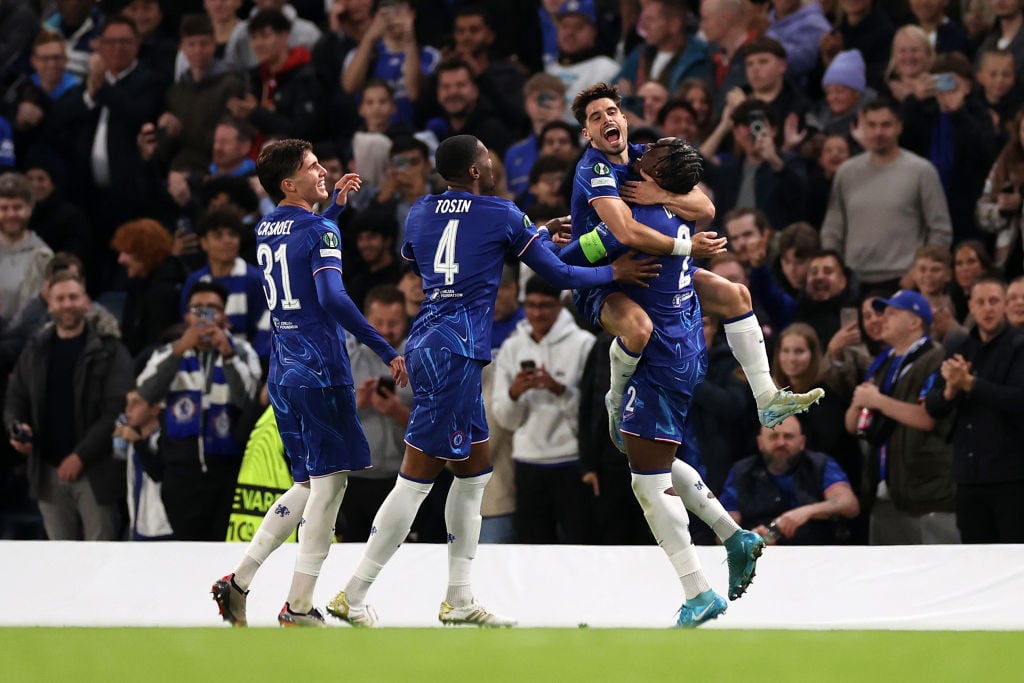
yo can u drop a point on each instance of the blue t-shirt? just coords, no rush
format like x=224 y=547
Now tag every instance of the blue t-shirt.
x=596 y=177
x=457 y=242
x=389 y=67
x=833 y=475
x=307 y=342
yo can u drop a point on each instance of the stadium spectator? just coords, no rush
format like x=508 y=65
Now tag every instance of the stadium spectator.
x=39 y=94
x=23 y=255
x=908 y=483
x=997 y=84
x=983 y=380
x=464 y=112
x=798 y=25
x=544 y=97
x=999 y=207
x=140 y=431
x=885 y=203
x=579 y=64
x=834 y=150
x=668 y=54
x=375 y=261
x=58 y=222
x=79 y=22
x=536 y=395
x=155 y=278
x=206 y=378
x=242 y=54
x=1006 y=34
x=910 y=63
x=789 y=494
x=971 y=260
x=383 y=409
x=724 y=25
x=864 y=26
x=63 y=397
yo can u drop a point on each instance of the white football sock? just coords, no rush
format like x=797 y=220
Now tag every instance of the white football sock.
x=668 y=521
x=315 y=536
x=623 y=365
x=277 y=525
x=390 y=527
x=462 y=518
x=699 y=499
x=747 y=344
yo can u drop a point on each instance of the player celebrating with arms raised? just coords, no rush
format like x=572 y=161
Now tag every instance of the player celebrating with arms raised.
x=596 y=199
x=457 y=242
x=310 y=380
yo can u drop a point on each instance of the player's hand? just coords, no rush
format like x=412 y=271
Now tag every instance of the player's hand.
x=398 y=372
x=631 y=270
x=591 y=480
x=70 y=468
x=350 y=182
x=646 y=191
x=707 y=244
x=560 y=230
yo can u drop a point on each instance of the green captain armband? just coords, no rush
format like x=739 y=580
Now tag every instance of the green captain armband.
x=592 y=246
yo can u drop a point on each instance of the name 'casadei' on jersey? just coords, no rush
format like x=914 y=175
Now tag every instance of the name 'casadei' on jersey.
x=268 y=228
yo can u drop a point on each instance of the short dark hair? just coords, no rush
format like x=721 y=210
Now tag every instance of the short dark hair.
x=538 y=285
x=375 y=220
x=829 y=253
x=219 y=218
x=882 y=102
x=741 y=114
x=988 y=279
x=386 y=294
x=280 y=160
x=195 y=25
x=765 y=45
x=455 y=64
x=273 y=19
x=61 y=261
x=15 y=186
x=801 y=237
x=595 y=92
x=455 y=155
x=547 y=164
x=245 y=130
x=558 y=124
x=116 y=19
x=760 y=219
x=67 y=276
x=475 y=9
x=407 y=143
x=202 y=286
x=672 y=105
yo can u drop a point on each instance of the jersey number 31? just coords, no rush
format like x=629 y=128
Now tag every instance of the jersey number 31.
x=266 y=258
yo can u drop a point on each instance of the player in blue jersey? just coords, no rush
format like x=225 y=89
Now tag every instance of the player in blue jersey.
x=457 y=242
x=310 y=380
x=600 y=186
x=657 y=401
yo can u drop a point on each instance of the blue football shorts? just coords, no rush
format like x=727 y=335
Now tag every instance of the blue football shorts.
x=657 y=399
x=447 y=415
x=588 y=302
x=320 y=429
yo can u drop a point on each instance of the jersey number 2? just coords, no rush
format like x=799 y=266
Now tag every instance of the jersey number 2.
x=444 y=257
x=266 y=259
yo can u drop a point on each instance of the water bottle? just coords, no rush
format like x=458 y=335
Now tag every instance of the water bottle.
x=120 y=444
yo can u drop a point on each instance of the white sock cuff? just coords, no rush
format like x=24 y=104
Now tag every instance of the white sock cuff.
x=618 y=352
x=310 y=563
x=416 y=485
x=476 y=480
x=744 y=323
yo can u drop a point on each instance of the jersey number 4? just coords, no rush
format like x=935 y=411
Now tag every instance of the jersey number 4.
x=266 y=259
x=444 y=257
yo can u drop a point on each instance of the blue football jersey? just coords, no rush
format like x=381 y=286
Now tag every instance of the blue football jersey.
x=307 y=343
x=457 y=242
x=596 y=177
x=669 y=301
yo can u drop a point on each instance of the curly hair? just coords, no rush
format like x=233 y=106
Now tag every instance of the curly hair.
x=595 y=92
x=146 y=240
x=674 y=163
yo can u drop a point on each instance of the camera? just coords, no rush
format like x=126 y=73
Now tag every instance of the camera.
x=19 y=433
x=758 y=124
x=944 y=82
x=385 y=385
x=207 y=313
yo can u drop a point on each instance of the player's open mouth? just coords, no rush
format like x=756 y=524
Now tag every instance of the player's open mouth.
x=322 y=185
x=612 y=134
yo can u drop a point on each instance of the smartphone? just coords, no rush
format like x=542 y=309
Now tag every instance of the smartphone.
x=944 y=82
x=758 y=123
x=848 y=316
x=527 y=365
x=385 y=385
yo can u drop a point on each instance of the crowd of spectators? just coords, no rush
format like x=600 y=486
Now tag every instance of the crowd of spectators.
x=866 y=159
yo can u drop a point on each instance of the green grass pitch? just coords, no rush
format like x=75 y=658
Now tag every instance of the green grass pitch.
x=519 y=655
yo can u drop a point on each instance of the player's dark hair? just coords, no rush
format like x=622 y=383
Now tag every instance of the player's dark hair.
x=219 y=218
x=208 y=286
x=455 y=155
x=678 y=166
x=594 y=92
x=538 y=285
x=278 y=161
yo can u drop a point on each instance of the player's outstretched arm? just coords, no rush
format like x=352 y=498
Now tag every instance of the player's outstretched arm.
x=626 y=269
x=330 y=292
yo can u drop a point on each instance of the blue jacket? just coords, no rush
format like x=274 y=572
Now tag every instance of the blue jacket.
x=799 y=33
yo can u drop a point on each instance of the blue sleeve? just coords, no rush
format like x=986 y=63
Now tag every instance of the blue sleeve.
x=330 y=292
x=410 y=258
x=781 y=307
x=332 y=211
x=562 y=275
x=833 y=475
x=727 y=496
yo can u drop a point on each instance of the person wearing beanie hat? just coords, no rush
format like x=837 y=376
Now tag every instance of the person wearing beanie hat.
x=845 y=91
